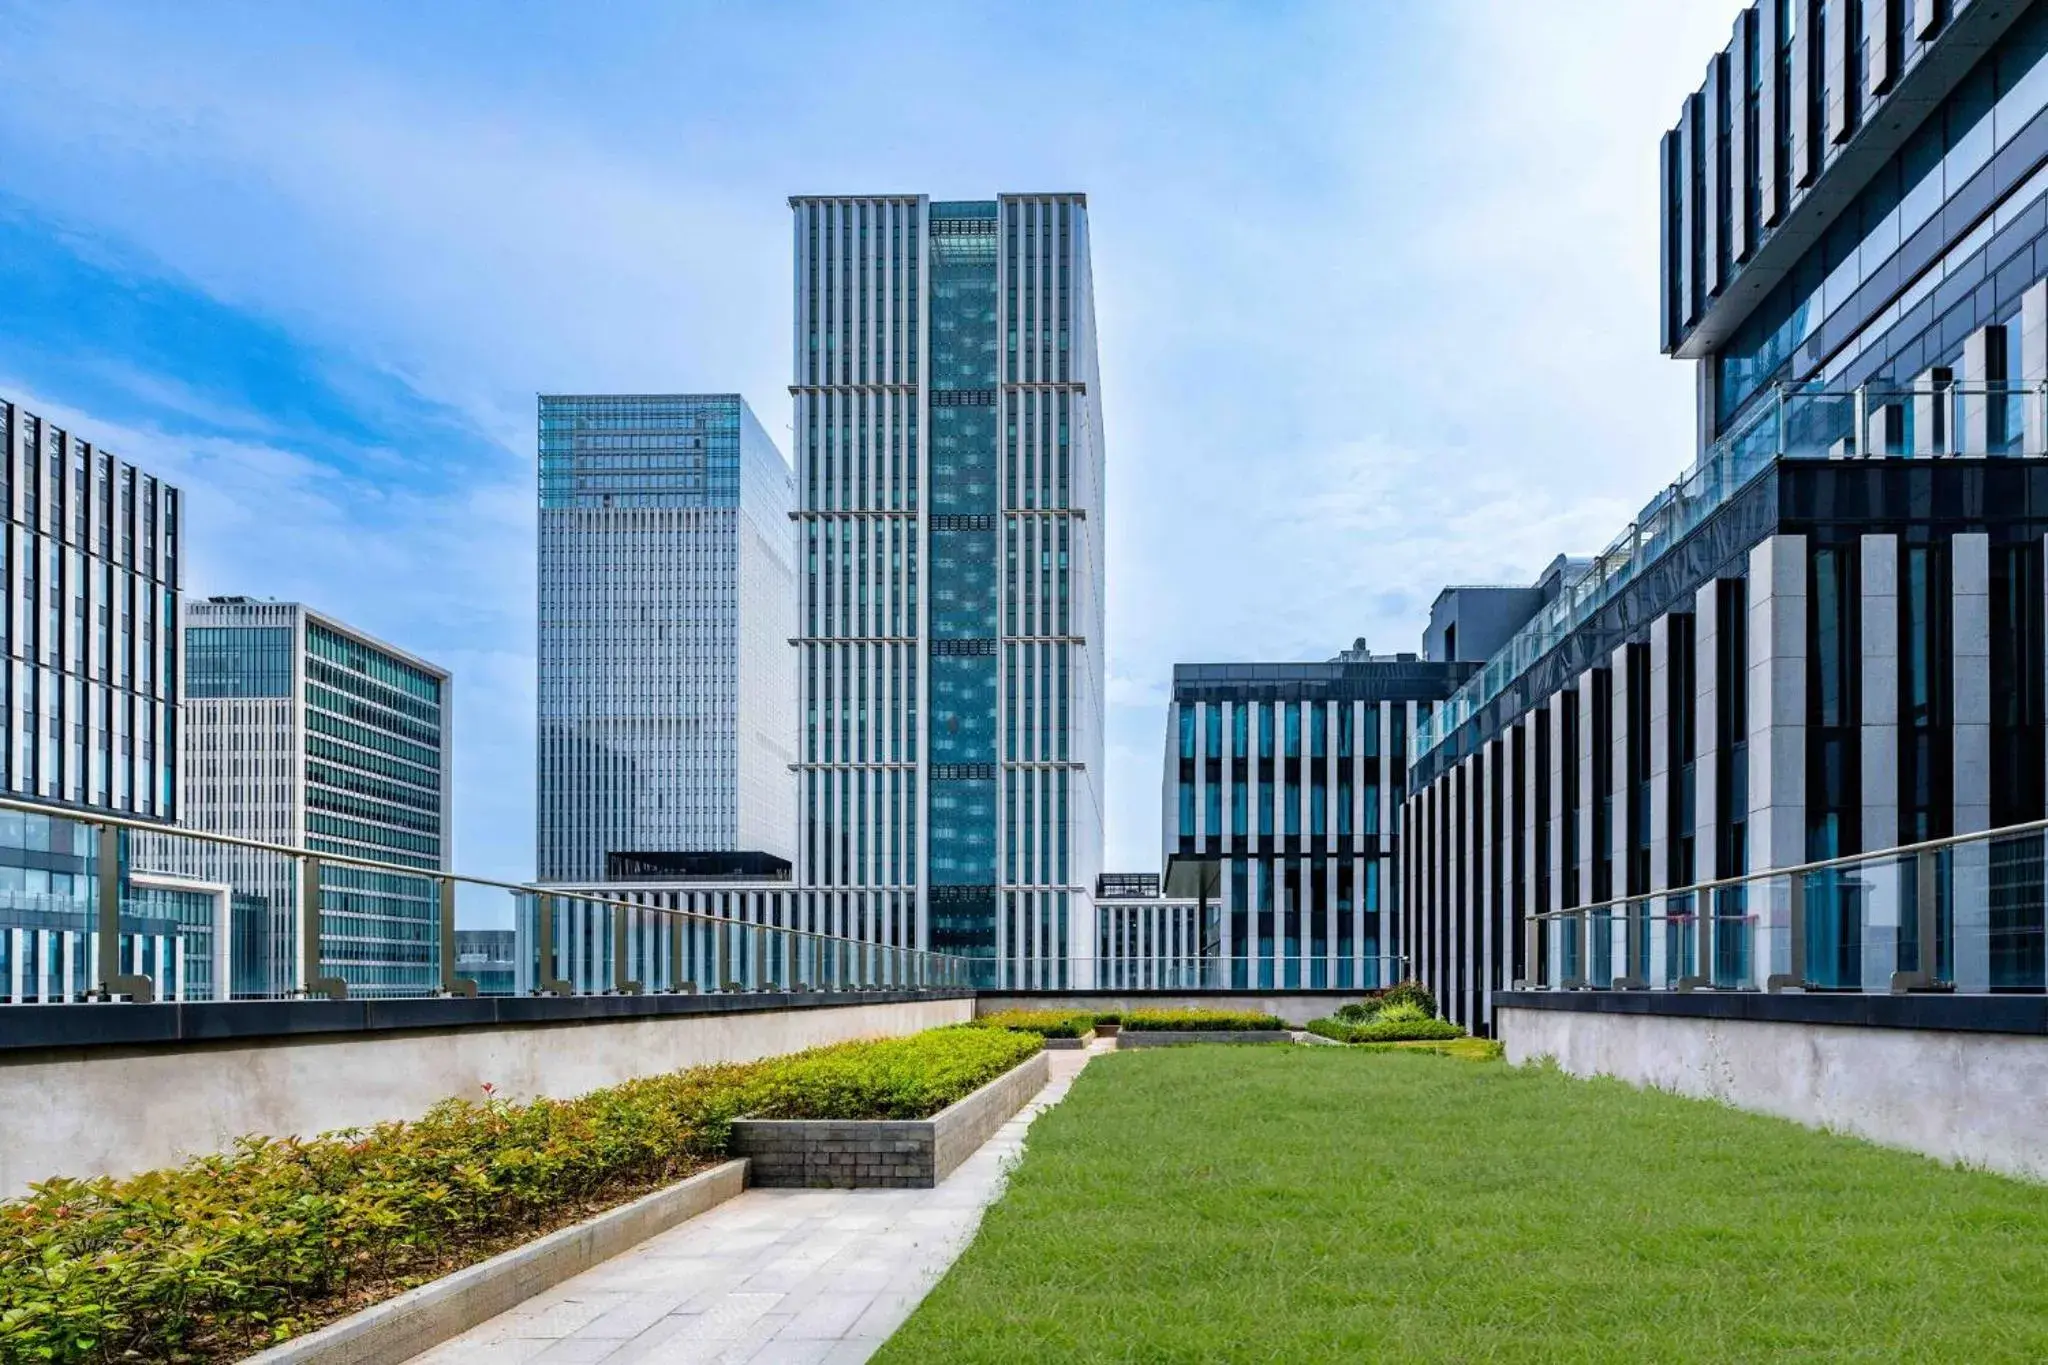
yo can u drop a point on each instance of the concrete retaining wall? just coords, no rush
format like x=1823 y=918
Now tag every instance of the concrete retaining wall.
x=1978 y=1098
x=1296 y=1007
x=883 y=1153
x=103 y=1111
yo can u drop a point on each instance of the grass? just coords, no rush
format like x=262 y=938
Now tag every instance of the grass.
x=1335 y=1204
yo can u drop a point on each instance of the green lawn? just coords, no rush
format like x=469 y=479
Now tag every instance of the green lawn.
x=1322 y=1204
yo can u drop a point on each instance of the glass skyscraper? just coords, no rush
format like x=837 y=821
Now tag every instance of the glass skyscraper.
x=950 y=459
x=667 y=696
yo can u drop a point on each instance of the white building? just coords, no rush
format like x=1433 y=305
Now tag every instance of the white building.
x=303 y=731
x=667 y=691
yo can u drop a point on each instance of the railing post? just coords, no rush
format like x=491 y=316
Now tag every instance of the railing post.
x=451 y=984
x=1795 y=913
x=724 y=956
x=1700 y=975
x=620 y=985
x=677 y=927
x=311 y=983
x=1631 y=951
x=113 y=982
x=1926 y=918
x=545 y=982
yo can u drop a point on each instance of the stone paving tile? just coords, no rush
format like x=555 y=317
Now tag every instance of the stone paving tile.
x=793 y=1276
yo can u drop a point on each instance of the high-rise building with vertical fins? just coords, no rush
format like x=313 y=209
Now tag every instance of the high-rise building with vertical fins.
x=949 y=457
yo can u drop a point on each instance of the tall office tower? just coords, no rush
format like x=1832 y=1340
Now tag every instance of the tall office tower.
x=667 y=603
x=302 y=731
x=89 y=704
x=950 y=460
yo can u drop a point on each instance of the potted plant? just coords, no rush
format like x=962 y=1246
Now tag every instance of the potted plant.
x=1108 y=1025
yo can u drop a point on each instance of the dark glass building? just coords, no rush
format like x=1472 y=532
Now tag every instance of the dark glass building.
x=1290 y=776
x=1826 y=637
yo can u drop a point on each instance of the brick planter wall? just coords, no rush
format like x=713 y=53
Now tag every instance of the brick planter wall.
x=1165 y=1038
x=885 y=1153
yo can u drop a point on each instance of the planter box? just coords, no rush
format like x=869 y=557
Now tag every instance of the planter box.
x=1164 y=1038
x=859 y=1154
x=1108 y=1030
x=1069 y=1044
x=400 y=1328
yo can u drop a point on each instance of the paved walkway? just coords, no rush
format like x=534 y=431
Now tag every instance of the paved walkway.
x=773 y=1275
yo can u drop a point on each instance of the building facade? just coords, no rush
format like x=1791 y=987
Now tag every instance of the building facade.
x=1826 y=637
x=1290 y=776
x=489 y=957
x=302 y=731
x=1148 y=941
x=91 y=567
x=667 y=684
x=949 y=484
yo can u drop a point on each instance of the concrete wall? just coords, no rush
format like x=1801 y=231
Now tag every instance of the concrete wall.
x=1976 y=1098
x=110 y=1111
x=1295 y=1007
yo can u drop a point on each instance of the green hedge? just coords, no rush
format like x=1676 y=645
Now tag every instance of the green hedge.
x=1198 y=1021
x=228 y=1252
x=1044 y=1023
x=1111 y=1017
x=1391 y=1031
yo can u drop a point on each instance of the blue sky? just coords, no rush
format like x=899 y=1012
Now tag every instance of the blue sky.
x=1375 y=285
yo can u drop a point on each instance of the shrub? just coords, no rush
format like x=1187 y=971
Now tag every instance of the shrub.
x=1044 y=1023
x=1112 y=1017
x=227 y=1252
x=1404 y=1030
x=1384 y=1030
x=1358 y=1011
x=1203 y=1021
x=1466 y=1049
x=1401 y=1012
x=1412 y=991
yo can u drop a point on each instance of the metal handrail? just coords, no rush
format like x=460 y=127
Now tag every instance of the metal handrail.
x=1900 y=851
x=113 y=984
x=1923 y=854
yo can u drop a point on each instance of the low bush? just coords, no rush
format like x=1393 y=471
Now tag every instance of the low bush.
x=1407 y=1000
x=1465 y=1049
x=1383 y=1030
x=1198 y=1021
x=1044 y=1023
x=228 y=1252
x=1413 y=992
x=1112 y=1017
x=1337 y=1029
